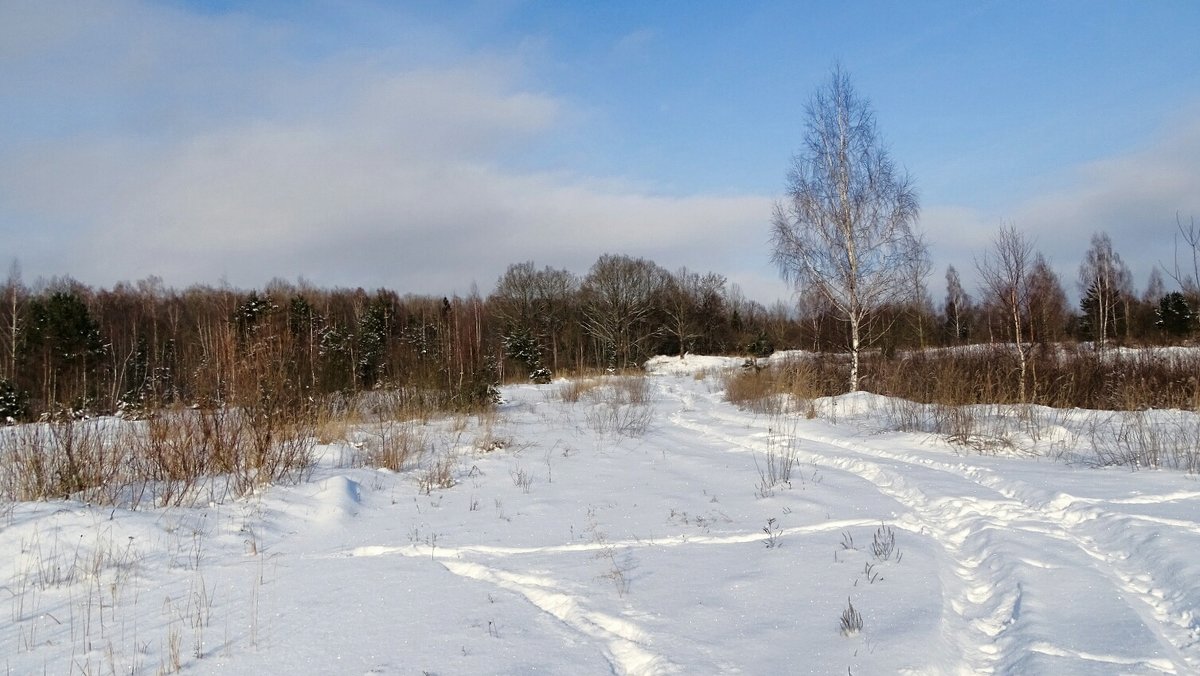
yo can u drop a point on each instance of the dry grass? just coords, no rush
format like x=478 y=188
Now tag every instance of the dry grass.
x=165 y=459
x=778 y=389
x=61 y=459
x=971 y=397
x=574 y=390
x=1065 y=376
x=392 y=445
x=439 y=474
x=1148 y=440
x=620 y=405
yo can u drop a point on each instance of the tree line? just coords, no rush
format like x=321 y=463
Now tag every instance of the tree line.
x=138 y=346
x=68 y=347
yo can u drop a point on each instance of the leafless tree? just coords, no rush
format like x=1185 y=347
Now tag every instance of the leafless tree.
x=1188 y=280
x=14 y=298
x=920 y=306
x=688 y=298
x=515 y=298
x=1106 y=284
x=846 y=224
x=957 y=306
x=533 y=305
x=557 y=292
x=1004 y=271
x=1155 y=289
x=619 y=295
x=814 y=308
x=1047 y=302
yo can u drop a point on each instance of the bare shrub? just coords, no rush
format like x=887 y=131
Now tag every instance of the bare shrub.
x=772 y=531
x=633 y=390
x=62 y=459
x=957 y=423
x=904 y=415
x=618 y=565
x=173 y=455
x=521 y=478
x=1148 y=439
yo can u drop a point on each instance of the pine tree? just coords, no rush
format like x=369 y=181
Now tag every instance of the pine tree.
x=373 y=332
x=1098 y=321
x=14 y=403
x=1174 y=315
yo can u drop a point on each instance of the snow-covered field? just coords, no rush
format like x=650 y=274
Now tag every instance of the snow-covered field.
x=605 y=537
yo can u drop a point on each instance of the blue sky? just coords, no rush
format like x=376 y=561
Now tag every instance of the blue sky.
x=426 y=146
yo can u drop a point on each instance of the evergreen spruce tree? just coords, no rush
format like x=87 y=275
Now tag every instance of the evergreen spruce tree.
x=1175 y=317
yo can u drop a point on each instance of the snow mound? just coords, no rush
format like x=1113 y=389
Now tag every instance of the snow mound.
x=690 y=364
x=339 y=497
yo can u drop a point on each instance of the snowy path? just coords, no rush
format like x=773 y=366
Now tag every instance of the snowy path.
x=572 y=551
x=1005 y=540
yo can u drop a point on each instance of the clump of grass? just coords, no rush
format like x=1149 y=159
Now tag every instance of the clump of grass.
x=575 y=389
x=776 y=468
x=392 y=445
x=883 y=545
x=851 y=621
x=439 y=474
x=620 y=406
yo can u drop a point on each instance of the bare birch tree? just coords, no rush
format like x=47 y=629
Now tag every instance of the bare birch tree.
x=957 y=307
x=14 y=297
x=1004 y=271
x=845 y=227
x=1106 y=284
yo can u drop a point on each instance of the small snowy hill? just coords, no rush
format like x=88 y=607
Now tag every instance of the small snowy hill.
x=630 y=526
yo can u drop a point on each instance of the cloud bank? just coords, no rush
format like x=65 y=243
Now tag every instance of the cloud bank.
x=352 y=169
x=145 y=139
x=1134 y=197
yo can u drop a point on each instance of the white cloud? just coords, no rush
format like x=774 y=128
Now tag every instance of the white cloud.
x=1134 y=197
x=349 y=171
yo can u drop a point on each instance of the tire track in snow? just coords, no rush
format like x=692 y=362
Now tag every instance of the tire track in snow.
x=984 y=609
x=626 y=646
x=1174 y=621
x=990 y=603
x=673 y=541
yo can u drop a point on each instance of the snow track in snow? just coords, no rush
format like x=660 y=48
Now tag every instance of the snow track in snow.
x=986 y=524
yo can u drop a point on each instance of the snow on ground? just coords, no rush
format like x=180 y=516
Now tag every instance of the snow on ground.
x=567 y=546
